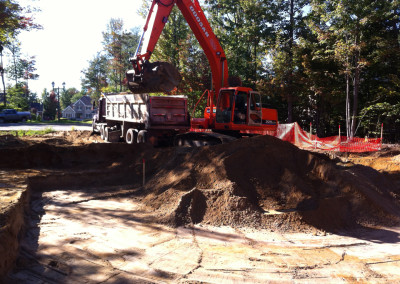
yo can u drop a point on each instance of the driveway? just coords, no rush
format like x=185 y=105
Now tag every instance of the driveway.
x=40 y=126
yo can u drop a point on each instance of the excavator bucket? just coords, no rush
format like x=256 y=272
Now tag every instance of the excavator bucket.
x=154 y=77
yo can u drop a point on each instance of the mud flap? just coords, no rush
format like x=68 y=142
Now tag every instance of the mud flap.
x=154 y=77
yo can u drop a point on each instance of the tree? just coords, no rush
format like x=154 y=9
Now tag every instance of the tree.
x=14 y=19
x=76 y=97
x=66 y=97
x=95 y=76
x=245 y=32
x=17 y=97
x=119 y=45
x=50 y=105
x=347 y=23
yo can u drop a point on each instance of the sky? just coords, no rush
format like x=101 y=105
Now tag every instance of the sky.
x=71 y=36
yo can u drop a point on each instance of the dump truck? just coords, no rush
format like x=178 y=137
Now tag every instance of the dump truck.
x=141 y=118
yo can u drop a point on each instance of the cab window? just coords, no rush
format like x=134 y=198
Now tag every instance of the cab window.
x=224 y=106
x=240 y=114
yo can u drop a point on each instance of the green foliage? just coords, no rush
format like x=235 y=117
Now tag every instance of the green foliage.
x=95 y=76
x=14 y=18
x=119 y=45
x=22 y=69
x=106 y=71
x=75 y=97
x=18 y=97
x=18 y=133
x=245 y=31
x=66 y=97
x=49 y=105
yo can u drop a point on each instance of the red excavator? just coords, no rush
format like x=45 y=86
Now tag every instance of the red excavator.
x=231 y=110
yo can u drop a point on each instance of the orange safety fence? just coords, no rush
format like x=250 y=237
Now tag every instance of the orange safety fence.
x=293 y=133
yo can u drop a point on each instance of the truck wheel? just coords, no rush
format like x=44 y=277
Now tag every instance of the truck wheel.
x=131 y=136
x=94 y=129
x=1 y=120
x=23 y=119
x=107 y=134
x=142 y=136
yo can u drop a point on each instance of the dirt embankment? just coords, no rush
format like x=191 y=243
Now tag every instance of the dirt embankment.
x=259 y=182
x=264 y=182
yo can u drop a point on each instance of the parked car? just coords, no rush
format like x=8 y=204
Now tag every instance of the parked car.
x=11 y=115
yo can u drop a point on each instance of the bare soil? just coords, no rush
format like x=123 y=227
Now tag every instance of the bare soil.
x=261 y=183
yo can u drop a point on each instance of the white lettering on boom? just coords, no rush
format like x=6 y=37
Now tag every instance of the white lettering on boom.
x=199 y=21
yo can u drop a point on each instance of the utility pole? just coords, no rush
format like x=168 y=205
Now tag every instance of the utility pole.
x=58 y=98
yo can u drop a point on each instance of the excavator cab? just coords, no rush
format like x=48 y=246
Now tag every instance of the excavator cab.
x=240 y=109
x=238 y=106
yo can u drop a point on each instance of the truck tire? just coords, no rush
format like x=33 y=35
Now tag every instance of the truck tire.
x=94 y=129
x=142 y=136
x=131 y=136
x=1 y=120
x=107 y=134
x=23 y=119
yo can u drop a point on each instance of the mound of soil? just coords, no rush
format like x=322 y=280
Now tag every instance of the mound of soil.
x=260 y=182
x=265 y=182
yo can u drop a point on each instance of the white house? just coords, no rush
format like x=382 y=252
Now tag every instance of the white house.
x=81 y=109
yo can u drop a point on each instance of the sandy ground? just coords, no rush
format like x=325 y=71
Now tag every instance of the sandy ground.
x=204 y=216
x=81 y=236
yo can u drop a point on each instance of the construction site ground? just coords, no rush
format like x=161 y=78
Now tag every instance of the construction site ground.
x=74 y=209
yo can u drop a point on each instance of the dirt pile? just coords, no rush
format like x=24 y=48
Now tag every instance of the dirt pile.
x=258 y=182
x=264 y=182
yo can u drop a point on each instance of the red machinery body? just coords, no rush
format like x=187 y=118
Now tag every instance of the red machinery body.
x=234 y=109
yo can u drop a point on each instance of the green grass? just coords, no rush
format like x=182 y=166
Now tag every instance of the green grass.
x=62 y=121
x=47 y=130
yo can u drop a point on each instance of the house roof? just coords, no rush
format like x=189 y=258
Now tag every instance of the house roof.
x=70 y=106
x=85 y=100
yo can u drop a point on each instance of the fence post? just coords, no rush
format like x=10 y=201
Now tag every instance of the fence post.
x=381 y=132
x=309 y=136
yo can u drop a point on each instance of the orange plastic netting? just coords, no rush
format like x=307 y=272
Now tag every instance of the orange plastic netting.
x=293 y=133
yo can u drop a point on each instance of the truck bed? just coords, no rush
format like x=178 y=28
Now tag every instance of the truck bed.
x=152 y=111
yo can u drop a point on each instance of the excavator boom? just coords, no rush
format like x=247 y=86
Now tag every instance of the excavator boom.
x=163 y=76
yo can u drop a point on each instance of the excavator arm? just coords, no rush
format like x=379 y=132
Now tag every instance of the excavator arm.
x=162 y=76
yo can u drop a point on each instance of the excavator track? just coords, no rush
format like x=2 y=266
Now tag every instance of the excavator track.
x=198 y=139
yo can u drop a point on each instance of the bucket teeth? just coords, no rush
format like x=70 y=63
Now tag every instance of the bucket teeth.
x=154 y=77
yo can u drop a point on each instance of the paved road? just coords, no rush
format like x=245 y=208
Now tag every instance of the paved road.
x=57 y=127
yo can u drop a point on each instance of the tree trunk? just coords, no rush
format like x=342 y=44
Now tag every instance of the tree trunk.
x=356 y=85
x=347 y=105
x=290 y=67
